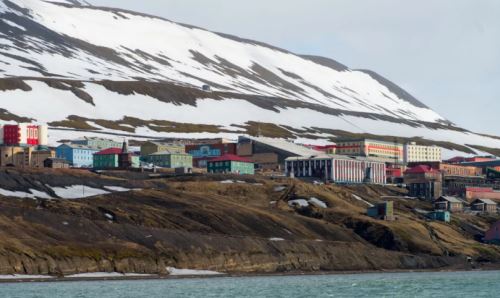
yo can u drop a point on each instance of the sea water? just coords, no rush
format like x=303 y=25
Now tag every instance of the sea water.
x=437 y=284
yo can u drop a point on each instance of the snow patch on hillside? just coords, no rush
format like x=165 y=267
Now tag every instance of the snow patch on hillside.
x=78 y=191
x=180 y=272
x=113 y=106
x=32 y=194
x=188 y=55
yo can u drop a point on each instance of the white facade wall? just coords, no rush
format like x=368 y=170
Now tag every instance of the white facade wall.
x=340 y=170
x=43 y=135
x=23 y=133
x=419 y=153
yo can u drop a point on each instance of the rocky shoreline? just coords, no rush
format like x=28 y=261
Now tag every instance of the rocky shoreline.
x=242 y=228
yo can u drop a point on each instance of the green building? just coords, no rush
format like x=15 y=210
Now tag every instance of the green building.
x=107 y=159
x=231 y=164
x=114 y=158
x=166 y=159
x=98 y=143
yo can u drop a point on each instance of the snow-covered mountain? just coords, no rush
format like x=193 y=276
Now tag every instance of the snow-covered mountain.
x=77 y=66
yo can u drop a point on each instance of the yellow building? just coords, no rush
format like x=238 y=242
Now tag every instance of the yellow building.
x=419 y=153
x=7 y=154
x=24 y=156
x=150 y=147
x=377 y=150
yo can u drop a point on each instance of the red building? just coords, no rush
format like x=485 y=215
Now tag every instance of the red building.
x=394 y=173
x=424 y=182
x=24 y=135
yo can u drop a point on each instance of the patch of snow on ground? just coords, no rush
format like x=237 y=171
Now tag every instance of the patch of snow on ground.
x=299 y=202
x=180 y=272
x=24 y=276
x=77 y=191
x=361 y=200
x=105 y=275
x=117 y=188
x=227 y=182
x=279 y=188
x=21 y=194
x=317 y=202
x=276 y=239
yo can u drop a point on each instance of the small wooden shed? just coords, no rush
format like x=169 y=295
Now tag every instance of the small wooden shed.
x=447 y=203
x=484 y=205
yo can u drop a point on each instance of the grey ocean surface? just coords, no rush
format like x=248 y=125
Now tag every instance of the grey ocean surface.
x=436 y=284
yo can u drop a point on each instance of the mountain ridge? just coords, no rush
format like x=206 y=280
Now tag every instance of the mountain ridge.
x=158 y=58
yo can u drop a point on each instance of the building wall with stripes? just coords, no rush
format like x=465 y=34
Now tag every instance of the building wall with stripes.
x=338 y=170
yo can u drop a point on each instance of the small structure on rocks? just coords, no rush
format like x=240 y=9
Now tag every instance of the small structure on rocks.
x=384 y=211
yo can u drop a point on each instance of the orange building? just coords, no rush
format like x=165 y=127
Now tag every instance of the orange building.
x=377 y=150
x=473 y=193
x=459 y=170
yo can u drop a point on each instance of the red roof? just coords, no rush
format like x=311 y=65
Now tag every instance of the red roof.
x=421 y=169
x=110 y=151
x=230 y=157
x=457 y=159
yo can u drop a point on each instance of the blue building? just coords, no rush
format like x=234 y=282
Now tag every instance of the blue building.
x=78 y=156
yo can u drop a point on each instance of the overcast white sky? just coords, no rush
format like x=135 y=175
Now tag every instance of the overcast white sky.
x=445 y=52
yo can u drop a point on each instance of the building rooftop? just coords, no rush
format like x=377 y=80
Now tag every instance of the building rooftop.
x=159 y=143
x=230 y=157
x=486 y=201
x=96 y=138
x=110 y=151
x=284 y=145
x=321 y=155
x=167 y=152
x=450 y=199
x=78 y=146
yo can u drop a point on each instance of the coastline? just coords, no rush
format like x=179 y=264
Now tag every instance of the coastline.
x=494 y=267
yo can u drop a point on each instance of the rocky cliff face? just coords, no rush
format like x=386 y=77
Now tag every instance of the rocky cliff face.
x=201 y=223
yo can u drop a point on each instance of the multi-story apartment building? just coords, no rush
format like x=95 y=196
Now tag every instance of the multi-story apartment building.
x=97 y=143
x=151 y=147
x=376 y=150
x=79 y=156
x=419 y=153
x=202 y=153
x=424 y=182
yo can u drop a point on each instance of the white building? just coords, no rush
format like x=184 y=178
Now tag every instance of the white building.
x=337 y=168
x=419 y=153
